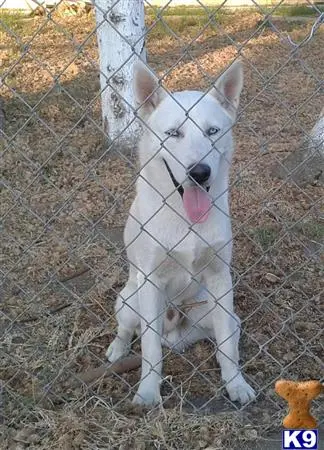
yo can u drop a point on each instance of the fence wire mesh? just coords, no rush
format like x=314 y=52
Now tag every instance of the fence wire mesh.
x=67 y=188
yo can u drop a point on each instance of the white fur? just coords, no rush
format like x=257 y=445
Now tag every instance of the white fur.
x=174 y=262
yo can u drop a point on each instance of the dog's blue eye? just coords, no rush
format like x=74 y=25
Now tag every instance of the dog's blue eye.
x=173 y=133
x=212 y=130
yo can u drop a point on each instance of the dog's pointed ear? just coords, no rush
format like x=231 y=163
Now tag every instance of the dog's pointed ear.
x=228 y=88
x=148 y=92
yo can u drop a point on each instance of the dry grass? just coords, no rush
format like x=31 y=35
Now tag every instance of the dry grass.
x=62 y=212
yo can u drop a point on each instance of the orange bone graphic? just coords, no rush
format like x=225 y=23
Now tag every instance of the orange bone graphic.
x=299 y=396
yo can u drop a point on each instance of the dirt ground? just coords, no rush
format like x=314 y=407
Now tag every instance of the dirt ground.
x=64 y=203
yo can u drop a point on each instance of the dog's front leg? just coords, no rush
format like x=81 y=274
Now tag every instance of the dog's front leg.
x=226 y=326
x=151 y=304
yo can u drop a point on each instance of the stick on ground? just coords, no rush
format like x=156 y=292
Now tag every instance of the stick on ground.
x=122 y=366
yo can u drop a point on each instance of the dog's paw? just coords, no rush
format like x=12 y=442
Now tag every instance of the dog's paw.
x=147 y=397
x=239 y=390
x=116 y=350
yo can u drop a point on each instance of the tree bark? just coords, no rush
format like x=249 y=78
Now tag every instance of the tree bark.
x=120 y=35
x=306 y=164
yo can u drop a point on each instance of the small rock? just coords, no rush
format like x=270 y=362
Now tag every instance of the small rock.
x=16 y=446
x=139 y=445
x=34 y=438
x=251 y=433
x=27 y=436
x=16 y=290
x=272 y=278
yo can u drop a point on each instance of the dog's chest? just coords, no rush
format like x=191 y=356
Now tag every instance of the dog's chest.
x=193 y=259
x=189 y=257
x=182 y=270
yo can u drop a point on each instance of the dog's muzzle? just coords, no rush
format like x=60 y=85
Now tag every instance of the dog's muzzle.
x=196 y=201
x=199 y=173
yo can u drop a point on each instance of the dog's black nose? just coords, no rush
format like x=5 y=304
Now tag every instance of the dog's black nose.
x=199 y=172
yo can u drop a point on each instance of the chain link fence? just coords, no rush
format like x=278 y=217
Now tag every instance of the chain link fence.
x=67 y=188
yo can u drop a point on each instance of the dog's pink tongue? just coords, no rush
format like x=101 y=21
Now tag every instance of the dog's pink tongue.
x=197 y=203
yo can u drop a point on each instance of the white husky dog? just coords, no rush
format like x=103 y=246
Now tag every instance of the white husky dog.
x=178 y=233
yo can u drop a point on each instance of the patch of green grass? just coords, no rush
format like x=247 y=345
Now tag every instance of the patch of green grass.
x=190 y=25
x=182 y=20
x=15 y=21
x=183 y=11
x=265 y=236
x=295 y=10
x=313 y=230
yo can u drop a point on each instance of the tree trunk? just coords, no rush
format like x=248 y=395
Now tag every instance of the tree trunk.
x=306 y=164
x=120 y=33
